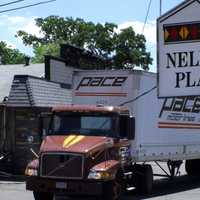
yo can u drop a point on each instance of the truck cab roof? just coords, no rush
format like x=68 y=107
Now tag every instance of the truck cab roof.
x=91 y=108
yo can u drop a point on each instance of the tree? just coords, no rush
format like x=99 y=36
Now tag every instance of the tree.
x=131 y=50
x=45 y=49
x=9 y=55
x=124 y=49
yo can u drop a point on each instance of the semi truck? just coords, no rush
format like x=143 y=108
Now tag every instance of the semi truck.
x=106 y=141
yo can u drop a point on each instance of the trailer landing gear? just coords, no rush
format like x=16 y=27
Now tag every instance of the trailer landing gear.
x=173 y=167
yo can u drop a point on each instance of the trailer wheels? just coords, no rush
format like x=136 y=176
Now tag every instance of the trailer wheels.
x=42 y=195
x=192 y=167
x=143 y=178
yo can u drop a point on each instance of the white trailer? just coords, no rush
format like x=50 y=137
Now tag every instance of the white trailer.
x=166 y=129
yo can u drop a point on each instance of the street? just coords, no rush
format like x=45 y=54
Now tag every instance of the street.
x=182 y=187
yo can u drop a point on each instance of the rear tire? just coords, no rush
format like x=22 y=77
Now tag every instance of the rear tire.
x=192 y=167
x=43 y=195
x=143 y=178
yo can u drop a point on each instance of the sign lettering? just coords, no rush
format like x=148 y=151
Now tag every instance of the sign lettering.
x=181 y=104
x=111 y=81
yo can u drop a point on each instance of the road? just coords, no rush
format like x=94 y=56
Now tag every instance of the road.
x=182 y=187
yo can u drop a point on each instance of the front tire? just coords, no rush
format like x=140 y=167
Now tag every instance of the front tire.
x=143 y=178
x=43 y=195
x=113 y=190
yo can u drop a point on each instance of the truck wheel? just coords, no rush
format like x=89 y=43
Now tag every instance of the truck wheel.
x=143 y=178
x=43 y=195
x=192 y=167
x=113 y=190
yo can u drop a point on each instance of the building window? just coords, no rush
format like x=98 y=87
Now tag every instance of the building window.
x=27 y=127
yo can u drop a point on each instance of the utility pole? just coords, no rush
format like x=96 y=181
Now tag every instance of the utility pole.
x=160 y=7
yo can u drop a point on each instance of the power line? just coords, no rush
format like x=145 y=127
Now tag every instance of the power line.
x=138 y=97
x=31 y=5
x=145 y=21
x=12 y=2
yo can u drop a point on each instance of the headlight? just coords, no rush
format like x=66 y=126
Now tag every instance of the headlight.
x=99 y=175
x=31 y=172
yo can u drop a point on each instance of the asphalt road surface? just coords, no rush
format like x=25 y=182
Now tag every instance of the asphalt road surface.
x=183 y=187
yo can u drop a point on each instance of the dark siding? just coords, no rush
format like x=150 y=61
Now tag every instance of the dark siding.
x=47 y=67
x=28 y=91
x=48 y=94
x=19 y=95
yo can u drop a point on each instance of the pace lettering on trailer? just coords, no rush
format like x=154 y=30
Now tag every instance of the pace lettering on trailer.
x=180 y=113
x=181 y=104
x=102 y=81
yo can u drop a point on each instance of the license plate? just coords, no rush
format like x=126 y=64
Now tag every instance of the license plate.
x=61 y=185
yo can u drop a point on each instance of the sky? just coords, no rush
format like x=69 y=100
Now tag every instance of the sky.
x=124 y=13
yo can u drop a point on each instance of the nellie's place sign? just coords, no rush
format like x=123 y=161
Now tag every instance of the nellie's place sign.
x=178 y=33
x=184 y=79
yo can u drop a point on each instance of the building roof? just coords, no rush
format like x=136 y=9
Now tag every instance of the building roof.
x=8 y=71
x=29 y=91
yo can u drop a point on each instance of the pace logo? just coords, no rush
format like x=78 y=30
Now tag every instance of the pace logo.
x=101 y=81
x=180 y=113
x=181 y=104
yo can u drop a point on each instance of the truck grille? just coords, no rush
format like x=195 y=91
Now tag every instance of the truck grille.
x=64 y=165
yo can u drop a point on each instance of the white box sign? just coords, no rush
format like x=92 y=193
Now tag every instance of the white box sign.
x=178 y=33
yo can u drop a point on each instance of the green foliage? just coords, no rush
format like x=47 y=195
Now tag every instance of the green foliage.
x=131 y=50
x=46 y=49
x=9 y=55
x=124 y=49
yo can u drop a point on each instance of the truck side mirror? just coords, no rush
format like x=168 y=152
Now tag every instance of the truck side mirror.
x=127 y=127
x=131 y=128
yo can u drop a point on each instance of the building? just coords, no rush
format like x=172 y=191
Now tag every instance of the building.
x=27 y=94
x=8 y=71
x=24 y=118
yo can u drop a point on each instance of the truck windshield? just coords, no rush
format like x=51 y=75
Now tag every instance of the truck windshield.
x=91 y=125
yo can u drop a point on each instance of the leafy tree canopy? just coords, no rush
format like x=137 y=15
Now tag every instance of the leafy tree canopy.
x=123 y=48
x=45 y=49
x=9 y=55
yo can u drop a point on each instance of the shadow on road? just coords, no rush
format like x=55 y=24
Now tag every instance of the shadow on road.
x=12 y=178
x=161 y=187
x=165 y=187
